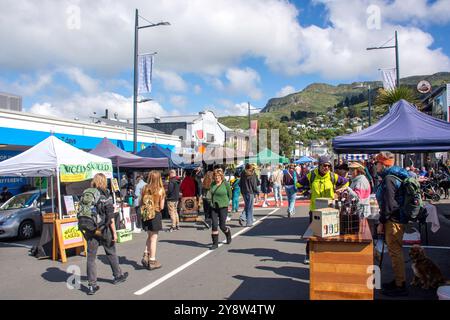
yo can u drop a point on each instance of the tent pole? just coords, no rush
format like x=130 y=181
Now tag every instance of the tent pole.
x=59 y=193
x=53 y=195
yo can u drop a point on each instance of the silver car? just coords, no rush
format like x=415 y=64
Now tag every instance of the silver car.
x=21 y=216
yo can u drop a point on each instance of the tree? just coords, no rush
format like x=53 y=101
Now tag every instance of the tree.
x=284 y=119
x=286 y=140
x=389 y=97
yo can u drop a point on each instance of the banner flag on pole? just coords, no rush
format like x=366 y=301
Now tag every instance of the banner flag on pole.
x=389 y=78
x=145 y=73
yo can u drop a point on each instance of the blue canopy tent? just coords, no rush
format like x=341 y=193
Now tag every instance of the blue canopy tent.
x=403 y=130
x=305 y=159
x=156 y=151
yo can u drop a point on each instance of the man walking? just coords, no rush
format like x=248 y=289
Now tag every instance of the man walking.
x=173 y=196
x=249 y=187
x=392 y=222
x=140 y=184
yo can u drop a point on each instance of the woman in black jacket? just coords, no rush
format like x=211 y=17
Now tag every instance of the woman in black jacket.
x=249 y=187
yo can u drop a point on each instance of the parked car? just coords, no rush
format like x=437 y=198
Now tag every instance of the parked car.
x=21 y=216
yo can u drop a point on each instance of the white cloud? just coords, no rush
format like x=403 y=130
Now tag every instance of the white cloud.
x=178 y=101
x=83 y=107
x=244 y=81
x=287 y=90
x=228 y=108
x=197 y=89
x=86 y=83
x=171 y=81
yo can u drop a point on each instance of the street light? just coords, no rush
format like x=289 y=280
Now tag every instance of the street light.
x=136 y=42
x=396 y=56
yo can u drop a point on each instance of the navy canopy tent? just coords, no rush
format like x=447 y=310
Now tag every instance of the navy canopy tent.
x=155 y=151
x=404 y=129
x=121 y=158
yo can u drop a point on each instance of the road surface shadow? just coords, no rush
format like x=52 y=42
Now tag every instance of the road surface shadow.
x=253 y=288
x=58 y=275
x=186 y=243
x=290 y=272
x=280 y=227
x=275 y=255
x=122 y=261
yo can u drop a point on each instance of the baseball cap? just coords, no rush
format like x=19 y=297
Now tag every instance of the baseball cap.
x=324 y=159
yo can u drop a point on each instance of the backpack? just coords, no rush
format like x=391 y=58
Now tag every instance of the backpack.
x=148 y=211
x=91 y=212
x=411 y=204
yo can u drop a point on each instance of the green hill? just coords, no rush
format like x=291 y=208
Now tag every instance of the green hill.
x=318 y=97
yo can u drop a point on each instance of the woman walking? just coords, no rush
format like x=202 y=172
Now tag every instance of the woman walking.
x=206 y=185
x=153 y=196
x=104 y=204
x=277 y=180
x=265 y=175
x=220 y=195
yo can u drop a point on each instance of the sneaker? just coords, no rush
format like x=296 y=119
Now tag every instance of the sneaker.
x=93 y=289
x=154 y=264
x=177 y=227
x=121 y=278
x=214 y=246
x=137 y=230
x=171 y=229
x=306 y=261
x=395 y=291
x=289 y=214
x=228 y=219
x=293 y=213
x=264 y=205
x=241 y=222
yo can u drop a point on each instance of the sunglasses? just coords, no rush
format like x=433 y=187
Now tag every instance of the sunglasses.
x=326 y=165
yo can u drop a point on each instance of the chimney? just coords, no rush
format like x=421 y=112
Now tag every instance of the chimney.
x=157 y=119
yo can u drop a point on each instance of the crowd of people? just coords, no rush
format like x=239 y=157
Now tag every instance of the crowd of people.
x=152 y=193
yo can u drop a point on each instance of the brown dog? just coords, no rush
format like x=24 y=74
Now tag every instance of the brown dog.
x=426 y=273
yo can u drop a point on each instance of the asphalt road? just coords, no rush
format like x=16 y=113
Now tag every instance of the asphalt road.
x=262 y=262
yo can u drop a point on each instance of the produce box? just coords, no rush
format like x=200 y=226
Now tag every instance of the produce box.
x=124 y=235
x=325 y=222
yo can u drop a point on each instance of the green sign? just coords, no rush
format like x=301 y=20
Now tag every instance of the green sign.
x=81 y=172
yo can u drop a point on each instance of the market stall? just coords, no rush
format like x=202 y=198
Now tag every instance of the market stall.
x=66 y=164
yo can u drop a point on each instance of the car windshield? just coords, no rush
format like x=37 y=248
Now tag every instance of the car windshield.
x=19 y=201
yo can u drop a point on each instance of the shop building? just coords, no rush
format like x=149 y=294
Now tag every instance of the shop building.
x=20 y=130
x=437 y=103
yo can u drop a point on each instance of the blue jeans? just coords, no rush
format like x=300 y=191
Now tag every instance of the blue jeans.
x=247 y=214
x=277 y=192
x=291 y=192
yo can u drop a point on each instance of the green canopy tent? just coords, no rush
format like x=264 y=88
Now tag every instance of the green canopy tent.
x=267 y=156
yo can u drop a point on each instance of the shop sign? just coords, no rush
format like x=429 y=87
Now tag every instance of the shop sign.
x=71 y=234
x=81 y=172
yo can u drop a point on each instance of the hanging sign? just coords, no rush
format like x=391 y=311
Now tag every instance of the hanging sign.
x=81 y=172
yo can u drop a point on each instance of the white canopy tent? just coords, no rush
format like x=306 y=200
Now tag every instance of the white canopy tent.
x=53 y=157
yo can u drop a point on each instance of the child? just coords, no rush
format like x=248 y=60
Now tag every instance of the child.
x=236 y=192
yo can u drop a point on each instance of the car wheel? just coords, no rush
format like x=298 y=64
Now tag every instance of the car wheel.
x=27 y=230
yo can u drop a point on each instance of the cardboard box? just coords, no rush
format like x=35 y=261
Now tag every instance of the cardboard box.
x=324 y=203
x=325 y=222
x=124 y=235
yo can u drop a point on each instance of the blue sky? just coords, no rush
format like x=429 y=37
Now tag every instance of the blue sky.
x=72 y=58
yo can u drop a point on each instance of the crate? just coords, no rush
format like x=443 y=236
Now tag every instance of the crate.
x=124 y=235
x=349 y=223
x=325 y=222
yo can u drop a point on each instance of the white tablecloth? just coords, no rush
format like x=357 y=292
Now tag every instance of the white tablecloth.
x=432 y=217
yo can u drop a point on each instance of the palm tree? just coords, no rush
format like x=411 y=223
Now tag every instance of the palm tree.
x=387 y=98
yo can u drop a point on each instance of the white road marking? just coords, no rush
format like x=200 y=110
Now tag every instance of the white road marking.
x=191 y=262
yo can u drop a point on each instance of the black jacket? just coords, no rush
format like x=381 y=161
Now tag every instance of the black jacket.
x=173 y=190
x=248 y=183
